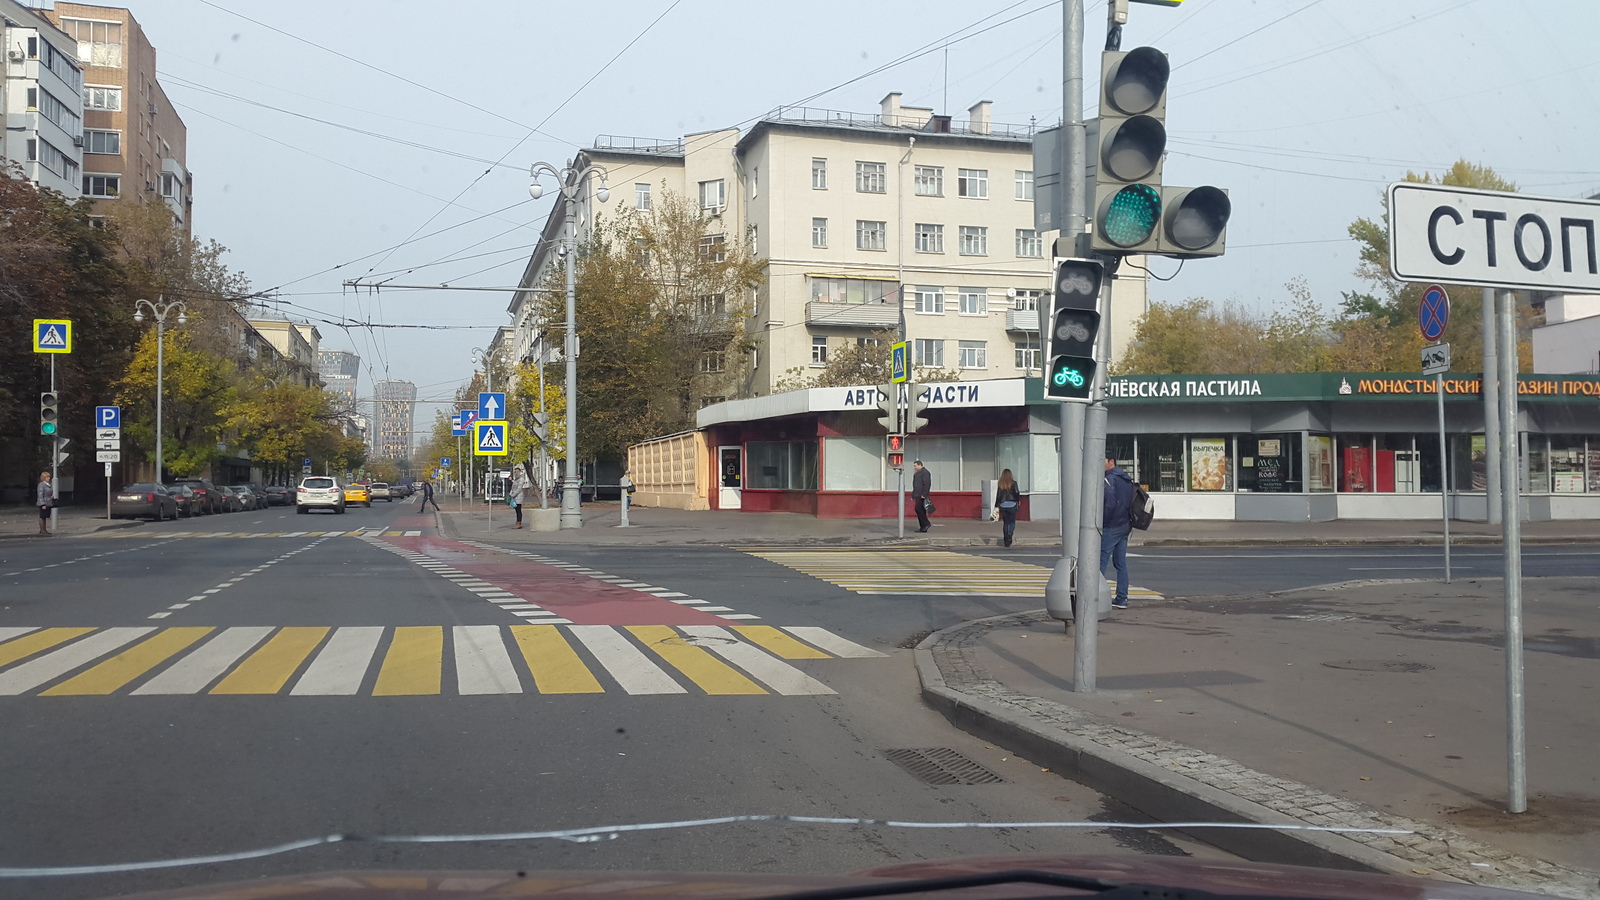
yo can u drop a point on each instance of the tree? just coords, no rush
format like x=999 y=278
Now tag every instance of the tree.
x=283 y=422
x=200 y=397
x=1199 y=337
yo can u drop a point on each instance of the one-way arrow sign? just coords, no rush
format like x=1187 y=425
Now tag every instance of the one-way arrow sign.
x=491 y=406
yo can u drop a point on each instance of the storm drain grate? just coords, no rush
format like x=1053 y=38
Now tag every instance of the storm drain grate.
x=941 y=765
x=1379 y=665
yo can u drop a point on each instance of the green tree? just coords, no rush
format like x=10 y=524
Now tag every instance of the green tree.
x=201 y=395
x=1197 y=336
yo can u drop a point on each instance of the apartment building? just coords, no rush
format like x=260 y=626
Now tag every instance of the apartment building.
x=393 y=406
x=134 y=142
x=41 y=99
x=862 y=221
x=297 y=344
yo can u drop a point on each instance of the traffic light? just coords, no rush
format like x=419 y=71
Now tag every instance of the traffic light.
x=1073 y=353
x=896 y=451
x=889 y=406
x=917 y=402
x=1126 y=146
x=539 y=424
x=49 y=412
x=1194 y=222
x=61 y=453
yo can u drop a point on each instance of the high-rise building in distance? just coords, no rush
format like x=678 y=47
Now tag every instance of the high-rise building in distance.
x=393 y=406
x=339 y=370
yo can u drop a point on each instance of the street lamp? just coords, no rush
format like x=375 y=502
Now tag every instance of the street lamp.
x=570 y=181
x=159 y=310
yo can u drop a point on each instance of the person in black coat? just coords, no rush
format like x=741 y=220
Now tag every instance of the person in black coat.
x=921 y=489
x=1007 y=498
x=1116 y=525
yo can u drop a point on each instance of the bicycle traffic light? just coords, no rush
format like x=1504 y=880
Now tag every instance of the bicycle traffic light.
x=1073 y=352
x=49 y=412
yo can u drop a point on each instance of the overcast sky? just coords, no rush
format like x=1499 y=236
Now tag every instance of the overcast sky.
x=349 y=139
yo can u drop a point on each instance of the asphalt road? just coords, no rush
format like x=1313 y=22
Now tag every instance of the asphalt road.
x=239 y=681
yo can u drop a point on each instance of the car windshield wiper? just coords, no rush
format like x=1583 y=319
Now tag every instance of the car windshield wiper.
x=1105 y=890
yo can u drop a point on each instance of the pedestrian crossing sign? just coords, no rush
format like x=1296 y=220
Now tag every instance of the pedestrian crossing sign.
x=490 y=439
x=52 y=336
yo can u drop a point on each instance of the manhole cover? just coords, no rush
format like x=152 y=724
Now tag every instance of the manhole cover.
x=941 y=765
x=1379 y=665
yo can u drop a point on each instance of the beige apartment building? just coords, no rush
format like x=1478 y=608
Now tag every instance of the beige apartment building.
x=297 y=344
x=134 y=142
x=860 y=220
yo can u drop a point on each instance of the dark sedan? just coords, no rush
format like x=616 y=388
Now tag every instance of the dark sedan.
x=278 y=495
x=190 y=502
x=144 y=501
x=211 y=500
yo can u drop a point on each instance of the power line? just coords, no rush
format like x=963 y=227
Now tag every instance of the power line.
x=1254 y=31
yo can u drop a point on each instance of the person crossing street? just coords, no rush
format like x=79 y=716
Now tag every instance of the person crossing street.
x=921 y=493
x=427 y=497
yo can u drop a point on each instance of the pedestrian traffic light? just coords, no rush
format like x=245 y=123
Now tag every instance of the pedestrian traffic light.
x=49 y=412
x=1073 y=353
x=1126 y=146
x=889 y=406
x=896 y=450
x=917 y=401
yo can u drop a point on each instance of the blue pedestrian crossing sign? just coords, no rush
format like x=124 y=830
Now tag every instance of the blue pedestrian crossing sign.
x=108 y=417
x=898 y=359
x=490 y=439
x=457 y=429
x=52 y=336
x=492 y=406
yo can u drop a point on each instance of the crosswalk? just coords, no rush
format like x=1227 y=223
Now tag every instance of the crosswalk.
x=133 y=533
x=939 y=573
x=417 y=660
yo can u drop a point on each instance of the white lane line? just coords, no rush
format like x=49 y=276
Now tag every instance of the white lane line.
x=51 y=666
x=7 y=634
x=159 y=615
x=773 y=672
x=342 y=664
x=669 y=594
x=179 y=606
x=519 y=606
x=412 y=534
x=626 y=663
x=715 y=609
x=739 y=616
x=1398 y=568
x=195 y=671
x=482 y=664
x=830 y=642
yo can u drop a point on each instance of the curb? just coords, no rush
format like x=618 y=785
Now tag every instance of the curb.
x=108 y=526
x=1055 y=736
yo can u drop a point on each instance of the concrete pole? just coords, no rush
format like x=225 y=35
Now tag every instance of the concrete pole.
x=161 y=321
x=1511 y=530
x=1491 y=410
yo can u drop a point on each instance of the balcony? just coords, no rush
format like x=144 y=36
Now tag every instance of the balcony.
x=1022 y=320
x=854 y=315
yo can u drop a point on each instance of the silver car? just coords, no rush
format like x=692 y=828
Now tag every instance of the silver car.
x=318 y=492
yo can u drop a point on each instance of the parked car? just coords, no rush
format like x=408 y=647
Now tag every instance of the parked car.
x=258 y=496
x=278 y=495
x=318 y=492
x=358 y=493
x=187 y=498
x=144 y=501
x=211 y=500
x=227 y=500
x=247 y=498
x=380 y=491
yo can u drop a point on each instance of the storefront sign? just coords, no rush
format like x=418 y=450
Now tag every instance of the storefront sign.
x=940 y=395
x=1313 y=386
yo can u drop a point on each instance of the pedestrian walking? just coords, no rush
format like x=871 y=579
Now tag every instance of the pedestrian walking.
x=427 y=497
x=1117 y=523
x=519 y=492
x=921 y=491
x=1007 y=497
x=45 y=498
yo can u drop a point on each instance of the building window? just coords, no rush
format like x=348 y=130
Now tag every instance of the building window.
x=54 y=110
x=819 y=351
x=929 y=299
x=974 y=355
x=641 y=196
x=714 y=247
x=1029 y=244
x=169 y=185
x=1028 y=355
x=1028 y=299
x=99 y=43
x=1024 y=185
x=713 y=362
x=713 y=194
x=711 y=305
x=872 y=235
x=109 y=98
x=865 y=342
x=974 y=240
x=929 y=181
x=851 y=290
x=106 y=142
x=33 y=150
x=973 y=183
x=974 y=301
x=819 y=174
x=930 y=238
x=819 y=233
x=102 y=185
x=927 y=352
x=871 y=177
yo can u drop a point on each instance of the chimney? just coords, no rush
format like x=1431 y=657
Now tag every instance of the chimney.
x=891 y=109
x=978 y=117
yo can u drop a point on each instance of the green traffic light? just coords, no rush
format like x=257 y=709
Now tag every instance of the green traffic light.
x=1069 y=378
x=1130 y=215
x=47 y=428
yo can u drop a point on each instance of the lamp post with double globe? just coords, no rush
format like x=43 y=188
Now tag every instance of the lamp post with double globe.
x=159 y=310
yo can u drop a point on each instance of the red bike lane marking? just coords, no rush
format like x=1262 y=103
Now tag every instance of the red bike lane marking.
x=575 y=597
x=413 y=522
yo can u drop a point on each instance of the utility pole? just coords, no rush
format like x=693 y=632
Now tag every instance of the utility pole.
x=1491 y=410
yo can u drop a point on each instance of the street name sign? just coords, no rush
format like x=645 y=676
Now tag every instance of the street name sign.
x=1436 y=359
x=491 y=406
x=1493 y=239
x=490 y=439
x=108 y=417
x=52 y=336
x=1433 y=313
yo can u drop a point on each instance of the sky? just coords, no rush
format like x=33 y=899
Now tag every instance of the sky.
x=358 y=139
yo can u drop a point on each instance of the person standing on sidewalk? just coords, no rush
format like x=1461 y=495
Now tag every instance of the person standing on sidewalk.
x=921 y=493
x=628 y=487
x=1117 y=523
x=427 y=497
x=45 y=499
x=1007 y=498
x=520 y=492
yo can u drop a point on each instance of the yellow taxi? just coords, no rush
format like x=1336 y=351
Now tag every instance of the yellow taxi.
x=357 y=493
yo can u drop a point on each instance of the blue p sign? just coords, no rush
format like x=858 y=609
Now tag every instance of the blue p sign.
x=108 y=417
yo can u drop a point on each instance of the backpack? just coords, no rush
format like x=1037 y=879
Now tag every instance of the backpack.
x=1143 y=510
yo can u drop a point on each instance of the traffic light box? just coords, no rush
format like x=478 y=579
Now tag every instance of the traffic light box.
x=896 y=451
x=49 y=412
x=1073 y=353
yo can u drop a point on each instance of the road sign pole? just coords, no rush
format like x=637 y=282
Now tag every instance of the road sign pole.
x=900 y=495
x=108 y=492
x=1491 y=411
x=1444 y=474
x=1511 y=531
x=55 y=457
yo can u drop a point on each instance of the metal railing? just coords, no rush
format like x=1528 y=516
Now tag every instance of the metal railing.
x=637 y=144
x=818 y=116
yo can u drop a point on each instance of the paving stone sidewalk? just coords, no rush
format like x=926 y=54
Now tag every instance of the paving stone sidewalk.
x=1199 y=785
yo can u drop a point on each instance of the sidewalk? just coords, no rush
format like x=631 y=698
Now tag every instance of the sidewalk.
x=23 y=521
x=1379 y=705
x=676 y=526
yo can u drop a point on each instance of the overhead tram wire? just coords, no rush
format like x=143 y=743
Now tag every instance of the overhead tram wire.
x=1254 y=31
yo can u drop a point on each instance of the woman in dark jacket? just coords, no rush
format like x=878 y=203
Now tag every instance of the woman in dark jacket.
x=1007 y=497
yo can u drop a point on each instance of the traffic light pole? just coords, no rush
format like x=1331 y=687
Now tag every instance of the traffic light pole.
x=1086 y=640
x=55 y=454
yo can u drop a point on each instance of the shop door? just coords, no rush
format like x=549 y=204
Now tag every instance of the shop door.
x=730 y=469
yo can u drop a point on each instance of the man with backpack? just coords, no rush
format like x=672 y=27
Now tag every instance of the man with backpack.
x=1116 y=525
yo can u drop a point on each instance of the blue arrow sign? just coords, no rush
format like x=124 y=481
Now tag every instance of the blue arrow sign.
x=108 y=417
x=456 y=428
x=491 y=406
x=469 y=418
x=1433 y=316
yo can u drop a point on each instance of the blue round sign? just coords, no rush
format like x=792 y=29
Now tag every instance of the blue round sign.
x=1434 y=314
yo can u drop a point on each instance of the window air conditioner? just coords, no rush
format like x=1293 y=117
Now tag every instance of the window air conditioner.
x=77 y=140
x=152 y=107
x=15 y=54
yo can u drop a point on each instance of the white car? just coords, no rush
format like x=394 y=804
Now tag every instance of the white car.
x=318 y=492
x=380 y=491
